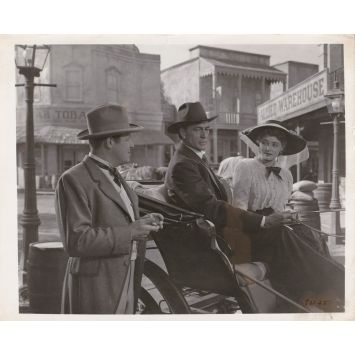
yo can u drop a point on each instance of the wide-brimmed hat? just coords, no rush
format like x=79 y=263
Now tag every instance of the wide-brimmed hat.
x=189 y=113
x=294 y=142
x=107 y=120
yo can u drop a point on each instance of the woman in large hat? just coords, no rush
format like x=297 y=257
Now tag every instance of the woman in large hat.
x=298 y=258
x=260 y=182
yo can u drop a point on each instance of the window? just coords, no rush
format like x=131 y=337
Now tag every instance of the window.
x=249 y=96
x=74 y=83
x=112 y=85
x=258 y=98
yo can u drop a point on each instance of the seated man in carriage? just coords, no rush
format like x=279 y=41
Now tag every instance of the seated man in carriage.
x=192 y=184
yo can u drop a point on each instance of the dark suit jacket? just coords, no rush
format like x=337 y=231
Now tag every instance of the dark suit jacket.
x=191 y=184
x=94 y=227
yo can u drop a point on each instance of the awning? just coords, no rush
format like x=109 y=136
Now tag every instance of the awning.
x=51 y=135
x=151 y=137
x=66 y=135
x=208 y=66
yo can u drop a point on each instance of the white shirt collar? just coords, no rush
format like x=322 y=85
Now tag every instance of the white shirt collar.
x=99 y=159
x=199 y=153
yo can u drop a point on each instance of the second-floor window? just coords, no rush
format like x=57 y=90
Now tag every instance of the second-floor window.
x=74 y=84
x=258 y=99
x=112 y=85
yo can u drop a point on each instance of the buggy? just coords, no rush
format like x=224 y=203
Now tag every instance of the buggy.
x=191 y=271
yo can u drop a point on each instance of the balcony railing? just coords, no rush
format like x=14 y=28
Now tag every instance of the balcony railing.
x=233 y=120
x=229 y=118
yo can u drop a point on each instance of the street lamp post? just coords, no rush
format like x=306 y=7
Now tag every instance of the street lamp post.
x=335 y=106
x=30 y=61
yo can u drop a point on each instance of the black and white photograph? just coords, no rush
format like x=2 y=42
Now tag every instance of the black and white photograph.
x=185 y=175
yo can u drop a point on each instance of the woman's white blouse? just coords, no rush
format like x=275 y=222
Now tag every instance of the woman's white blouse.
x=253 y=190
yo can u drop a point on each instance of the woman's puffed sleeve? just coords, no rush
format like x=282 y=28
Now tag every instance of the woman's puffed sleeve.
x=289 y=181
x=241 y=185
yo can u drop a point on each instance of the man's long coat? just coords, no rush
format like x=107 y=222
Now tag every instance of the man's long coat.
x=94 y=227
x=191 y=184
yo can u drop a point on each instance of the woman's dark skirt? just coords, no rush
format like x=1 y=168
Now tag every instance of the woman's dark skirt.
x=300 y=266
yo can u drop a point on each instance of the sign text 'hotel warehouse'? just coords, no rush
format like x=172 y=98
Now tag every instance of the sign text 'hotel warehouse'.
x=302 y=96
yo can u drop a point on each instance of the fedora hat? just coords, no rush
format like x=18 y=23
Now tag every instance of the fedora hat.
x=294 y=142
x=189 y=113
x=107 y=120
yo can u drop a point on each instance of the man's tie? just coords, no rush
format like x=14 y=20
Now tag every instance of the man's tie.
x=273 y=169
x=204 y=159
x=117 y=178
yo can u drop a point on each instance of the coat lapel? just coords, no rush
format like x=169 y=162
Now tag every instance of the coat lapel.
x=104 y=184
x=191 y=155
x=133 y=197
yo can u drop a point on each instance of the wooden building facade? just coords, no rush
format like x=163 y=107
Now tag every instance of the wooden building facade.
x=227 y=82
x=88 y=76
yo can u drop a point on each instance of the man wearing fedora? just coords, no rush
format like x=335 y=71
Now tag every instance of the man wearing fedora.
x=192 y=184
x=99 y=221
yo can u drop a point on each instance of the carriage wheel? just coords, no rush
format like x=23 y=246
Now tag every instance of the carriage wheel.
x=147 y=304
x=169 y=292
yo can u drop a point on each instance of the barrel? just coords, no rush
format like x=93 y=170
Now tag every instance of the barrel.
x=306 y=212
x=323 y=194
x=46 y=269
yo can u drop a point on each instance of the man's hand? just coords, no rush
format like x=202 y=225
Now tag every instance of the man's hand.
x=278 y=219
x=151 y=222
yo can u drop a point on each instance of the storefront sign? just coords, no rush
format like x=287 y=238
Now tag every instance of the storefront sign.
x=298 y=100
x=58 y=116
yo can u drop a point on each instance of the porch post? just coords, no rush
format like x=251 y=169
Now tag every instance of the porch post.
x=239 y=100
x=215 y=145
x=43 y=160
x=239 y=144
x=263 y=89
x=214 y=86
x=215 y=105
x=298 y=160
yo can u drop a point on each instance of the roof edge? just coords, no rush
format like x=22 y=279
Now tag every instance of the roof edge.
x=229 y=50
x=295 y=61
x=179 y=64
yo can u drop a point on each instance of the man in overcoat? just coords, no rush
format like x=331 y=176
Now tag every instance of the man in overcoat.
x=99 y=221
x=191 y=183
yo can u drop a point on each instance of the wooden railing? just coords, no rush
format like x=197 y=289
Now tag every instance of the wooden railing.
x=236 y=120
x=232 y=118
